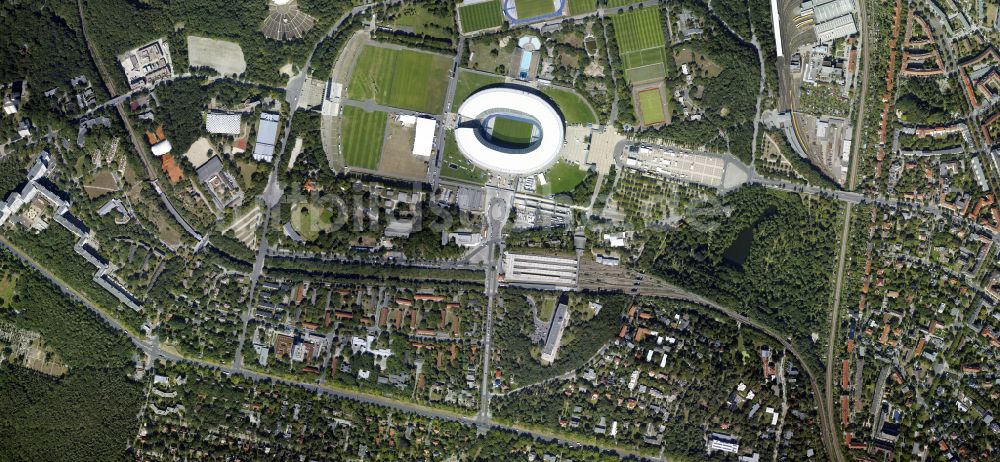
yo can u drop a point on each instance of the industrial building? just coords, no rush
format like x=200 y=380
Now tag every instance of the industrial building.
x=840 y=27
x=833 y=18
x=267 y=137
x=540 y=271
x=147 y=64
x=826 y=10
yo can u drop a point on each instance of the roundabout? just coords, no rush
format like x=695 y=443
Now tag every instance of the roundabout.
x=509 y=130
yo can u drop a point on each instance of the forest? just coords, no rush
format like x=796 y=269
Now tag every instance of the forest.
x=583 y=337
x=87 y=414
x=729 y=99
x=923 y=101
x=766 y=254
x=238 y=20
x=50 y=48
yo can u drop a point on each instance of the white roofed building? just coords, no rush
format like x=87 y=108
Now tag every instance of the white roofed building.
x=221 y=123
x=825 y=10
x=423 y=139
x=538 y=270
x=161 y=148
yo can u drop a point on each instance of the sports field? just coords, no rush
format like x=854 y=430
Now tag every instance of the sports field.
x=573 y=107
x=530 y=8
x=469 y=82
x=582 y=7
x=406 y=79
x=480 y=16
x=511 y=131
x=641 y=45
x=362 y=137
x=651 y=107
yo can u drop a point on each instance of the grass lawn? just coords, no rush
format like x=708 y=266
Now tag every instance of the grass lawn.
x=456 y=167
x=511 y=131
x=561 y=178
x=8 y=283
x=546 y=308
x=582 y=6
x=362 y=137
x=480 y=16
x=651 y=107
x=574 y=108
x=469 y=82
x=424 y=21
x=531 y=8
x=309 y=219
x=405 y=79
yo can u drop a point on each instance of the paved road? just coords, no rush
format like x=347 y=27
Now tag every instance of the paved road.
x=189 y=75
x=272 y=194
x=497 y=211
x=152 y=348
x=344 y=259
x=434 y=169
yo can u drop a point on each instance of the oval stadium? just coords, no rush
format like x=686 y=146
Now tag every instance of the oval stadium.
x=509 y=130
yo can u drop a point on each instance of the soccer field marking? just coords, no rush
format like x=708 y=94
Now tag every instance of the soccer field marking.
x=651 y=106
x=478 y=16
x=400 y=78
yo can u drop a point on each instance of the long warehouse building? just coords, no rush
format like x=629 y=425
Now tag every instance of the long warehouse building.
x=540 y=271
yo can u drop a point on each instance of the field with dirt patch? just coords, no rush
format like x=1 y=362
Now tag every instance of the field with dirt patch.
x=225 y=57
x=397 y=154
x=102 y=183
x=310 y=219
x=197 y=154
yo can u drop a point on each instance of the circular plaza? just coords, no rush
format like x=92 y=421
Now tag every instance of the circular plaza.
x=509 y=130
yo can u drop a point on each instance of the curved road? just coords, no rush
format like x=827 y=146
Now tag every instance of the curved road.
x=664 y=289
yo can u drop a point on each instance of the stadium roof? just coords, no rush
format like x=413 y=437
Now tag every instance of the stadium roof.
x=222 y=123
x=484 y=154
